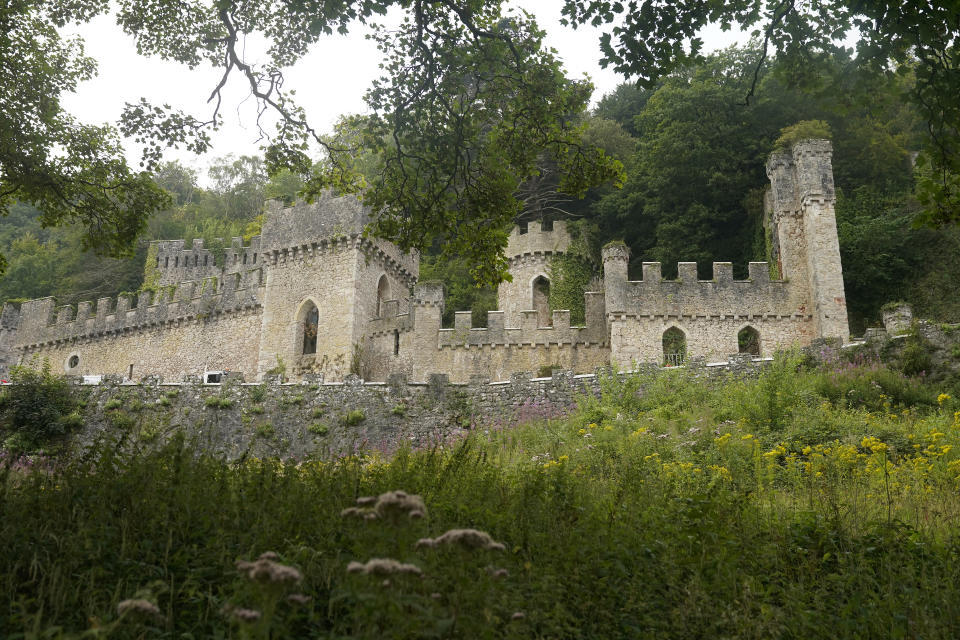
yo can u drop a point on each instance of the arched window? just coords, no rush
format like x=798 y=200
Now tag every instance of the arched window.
x=383 y=294
x=309 y=321
x=748 y=341
x=541 y=300
x=674 y=347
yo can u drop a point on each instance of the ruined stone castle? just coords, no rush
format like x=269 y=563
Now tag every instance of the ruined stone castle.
x=312 y=296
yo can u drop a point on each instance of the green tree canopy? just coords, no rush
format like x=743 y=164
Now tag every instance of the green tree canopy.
x=651 y=39
x=70 y=171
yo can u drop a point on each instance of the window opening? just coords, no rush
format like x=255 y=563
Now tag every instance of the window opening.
x=674 y=347
x=396 y=342
x=310 y=326
x=541 y=301
x=383 y=291
x=748 y=341
x=73 y=362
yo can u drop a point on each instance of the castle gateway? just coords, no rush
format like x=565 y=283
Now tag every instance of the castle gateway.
x=312 y=295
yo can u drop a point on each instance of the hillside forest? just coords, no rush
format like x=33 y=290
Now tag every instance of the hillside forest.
x=694 y=149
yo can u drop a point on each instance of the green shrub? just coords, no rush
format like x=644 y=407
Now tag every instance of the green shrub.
x=399 y=410
x=218 y=402
x=258 y=393
x=915 y=357
x=264 y=430
x=318 y=428
x=37 y=408
x=112 y=404
x=121 y=421
x=255 y=410
x=318 y=413
x=354 y=417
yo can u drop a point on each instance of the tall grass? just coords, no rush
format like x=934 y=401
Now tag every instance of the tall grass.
x=670 y=507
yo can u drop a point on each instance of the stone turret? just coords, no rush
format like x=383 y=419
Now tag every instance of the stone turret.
x=529 y=253
x=801 y=205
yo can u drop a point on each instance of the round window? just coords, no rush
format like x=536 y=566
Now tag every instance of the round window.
x=73 y=361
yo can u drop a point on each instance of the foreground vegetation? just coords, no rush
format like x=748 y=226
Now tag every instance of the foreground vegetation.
x=806 y=503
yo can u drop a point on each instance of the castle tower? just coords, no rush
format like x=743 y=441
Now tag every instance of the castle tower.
x=529 y=254
x=324 y=283
x=801 y=205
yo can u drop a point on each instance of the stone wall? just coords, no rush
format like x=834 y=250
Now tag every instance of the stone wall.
x=229 y=342
x=415 y=344
x=639 y=338
x=310 y=418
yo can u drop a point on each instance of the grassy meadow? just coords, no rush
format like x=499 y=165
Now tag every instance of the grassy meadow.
x=808 y=503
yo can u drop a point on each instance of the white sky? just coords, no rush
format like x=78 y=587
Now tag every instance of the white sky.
x=330 y=81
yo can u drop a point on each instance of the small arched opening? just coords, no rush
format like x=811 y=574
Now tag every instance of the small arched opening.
x=748 y=341
x=674 y=347
x=383 y=294
x=541 y=300
x=308 y=327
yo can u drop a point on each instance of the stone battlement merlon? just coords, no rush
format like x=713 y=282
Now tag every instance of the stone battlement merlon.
x=536 y=240
x=39 y=324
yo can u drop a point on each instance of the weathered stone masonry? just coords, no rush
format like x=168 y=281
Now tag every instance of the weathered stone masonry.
x=313 y=296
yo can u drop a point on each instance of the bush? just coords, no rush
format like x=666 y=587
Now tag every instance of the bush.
x=318 y=428
x=37 y=408
x=354 y=417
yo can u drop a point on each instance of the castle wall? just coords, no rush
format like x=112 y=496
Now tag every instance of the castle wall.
x=187 y=329
x=415 y=345
x=637 y=339
x=227 y=342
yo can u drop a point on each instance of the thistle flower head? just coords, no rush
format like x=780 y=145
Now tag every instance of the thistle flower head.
x=467 y=538
x=392 y=505
x=137 y=606
x=298 y=598
x=265 y=570
x=383 y=567
x=245 y=615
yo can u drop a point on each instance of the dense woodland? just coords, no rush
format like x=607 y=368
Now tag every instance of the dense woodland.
x=694 y=149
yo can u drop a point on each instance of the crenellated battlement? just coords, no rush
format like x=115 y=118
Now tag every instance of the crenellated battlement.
x=689 y=296
x=175 y=262
x=41 y=322
x=538 y=241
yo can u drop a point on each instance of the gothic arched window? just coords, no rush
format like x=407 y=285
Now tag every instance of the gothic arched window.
x=383 y=294
x=309 y=327
x=541 y=300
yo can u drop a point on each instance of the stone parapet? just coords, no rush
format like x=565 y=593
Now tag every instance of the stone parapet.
x=536 y=240
x=689 y=296
x=184 y=302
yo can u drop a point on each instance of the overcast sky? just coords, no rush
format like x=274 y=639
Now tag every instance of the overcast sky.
x=330 y=81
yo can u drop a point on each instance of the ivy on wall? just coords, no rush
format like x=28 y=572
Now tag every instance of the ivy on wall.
x=572 y=271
